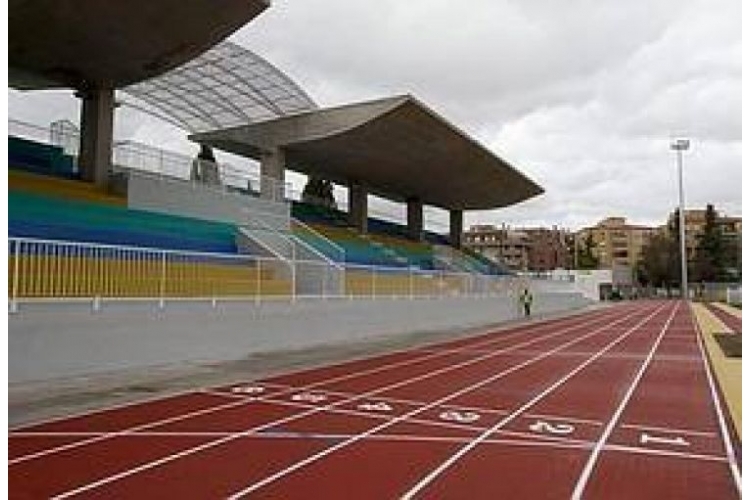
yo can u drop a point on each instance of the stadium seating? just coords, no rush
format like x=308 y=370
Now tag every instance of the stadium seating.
x=40 y=158
x=387 y=243
x=50 y=208
x=44 y=207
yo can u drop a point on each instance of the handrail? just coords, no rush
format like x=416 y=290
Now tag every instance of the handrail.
x=338 y=248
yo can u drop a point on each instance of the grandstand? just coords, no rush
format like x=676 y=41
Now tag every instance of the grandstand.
x=70 y=239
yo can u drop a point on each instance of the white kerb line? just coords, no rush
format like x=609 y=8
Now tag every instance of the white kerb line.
x=260 y=428
x=405 y=416
x=475 y=442
x=589 y=467
x=736 y=475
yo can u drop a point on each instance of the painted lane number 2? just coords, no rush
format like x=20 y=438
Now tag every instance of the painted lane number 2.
x=544 y=427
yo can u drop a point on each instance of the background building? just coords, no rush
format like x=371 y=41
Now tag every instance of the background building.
x=617 y=245
x=549 y=249
x=502 y=245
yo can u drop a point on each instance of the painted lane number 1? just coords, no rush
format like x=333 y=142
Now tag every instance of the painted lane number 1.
x=674 y=441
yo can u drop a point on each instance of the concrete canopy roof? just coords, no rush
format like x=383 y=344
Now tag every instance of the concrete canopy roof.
x=396 y=147
x=109 y=44
x=226 y=86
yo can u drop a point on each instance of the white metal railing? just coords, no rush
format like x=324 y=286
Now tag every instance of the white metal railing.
x=53 y=270
x=131 y=155
x=142 y=157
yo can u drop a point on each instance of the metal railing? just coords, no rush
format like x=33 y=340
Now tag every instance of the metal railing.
x=131 y=155
x=142 y=157
x=52 y=270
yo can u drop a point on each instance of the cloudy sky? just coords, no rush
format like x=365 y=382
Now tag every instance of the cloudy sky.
x=583 y=96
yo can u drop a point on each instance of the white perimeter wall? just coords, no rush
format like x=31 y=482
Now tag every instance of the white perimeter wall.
x=52 y=341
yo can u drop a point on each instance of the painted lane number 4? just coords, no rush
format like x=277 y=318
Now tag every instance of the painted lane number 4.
x=462 y=417
x=544 y=427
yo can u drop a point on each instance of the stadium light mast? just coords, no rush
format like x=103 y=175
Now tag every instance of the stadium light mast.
x=679 y=146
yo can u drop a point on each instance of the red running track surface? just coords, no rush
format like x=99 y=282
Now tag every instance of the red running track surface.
x=617 y=403
x=730 y=320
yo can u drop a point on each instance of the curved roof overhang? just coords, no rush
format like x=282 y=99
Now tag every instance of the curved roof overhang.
x=226 y=86
x=397 y=147
x=100 y=43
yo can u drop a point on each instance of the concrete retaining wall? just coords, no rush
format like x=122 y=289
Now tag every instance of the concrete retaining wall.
x=52 y=341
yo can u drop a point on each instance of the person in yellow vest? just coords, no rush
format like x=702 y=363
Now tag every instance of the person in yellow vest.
x=526 y=300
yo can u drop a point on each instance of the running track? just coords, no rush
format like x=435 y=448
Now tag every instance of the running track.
x=730 y=320
x=616 y=403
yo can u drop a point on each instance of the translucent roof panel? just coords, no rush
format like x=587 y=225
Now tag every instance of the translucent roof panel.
x=226 y=86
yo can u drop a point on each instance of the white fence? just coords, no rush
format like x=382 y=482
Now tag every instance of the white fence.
x=50 y=270
x=138 y=156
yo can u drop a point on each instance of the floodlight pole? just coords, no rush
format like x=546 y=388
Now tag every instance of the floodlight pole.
x=679 y=146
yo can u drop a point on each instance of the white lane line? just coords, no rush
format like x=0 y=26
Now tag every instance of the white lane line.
x=466 y=449
x=339 y=378
x=564 y=418
x=728 y=447
x=664 y=453
x=130 y=430
x=496 y=335
x=189 y=451
x=313 y=458
x=670 y=430
x=589 y=467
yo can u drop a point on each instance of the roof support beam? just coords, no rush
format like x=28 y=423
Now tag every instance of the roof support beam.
x=415 y=218
x=272 y=169
x=358 y=206
x=97 y=122
x=457 y=228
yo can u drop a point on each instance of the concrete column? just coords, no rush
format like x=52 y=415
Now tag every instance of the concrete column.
x=457 y=227
x=358 y=206
x=97 y=123
x=415 y=218
x=272 y=175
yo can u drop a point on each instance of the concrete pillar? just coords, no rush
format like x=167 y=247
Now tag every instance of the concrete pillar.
x=457 y=227
x=358 y=206
x=97 y=123
x=272 y=167
x=415 y=219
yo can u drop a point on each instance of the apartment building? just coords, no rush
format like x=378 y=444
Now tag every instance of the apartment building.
x=617 y=244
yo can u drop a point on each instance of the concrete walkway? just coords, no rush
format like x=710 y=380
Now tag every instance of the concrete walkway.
x=728 y=371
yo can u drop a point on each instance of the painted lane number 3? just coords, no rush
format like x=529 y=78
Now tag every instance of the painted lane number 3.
x=379 y=406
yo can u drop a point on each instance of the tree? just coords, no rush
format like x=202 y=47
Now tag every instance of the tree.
x=586 y=258
x=659 y=264
x=656 y=266
x=319 y=191
x=712 y=253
